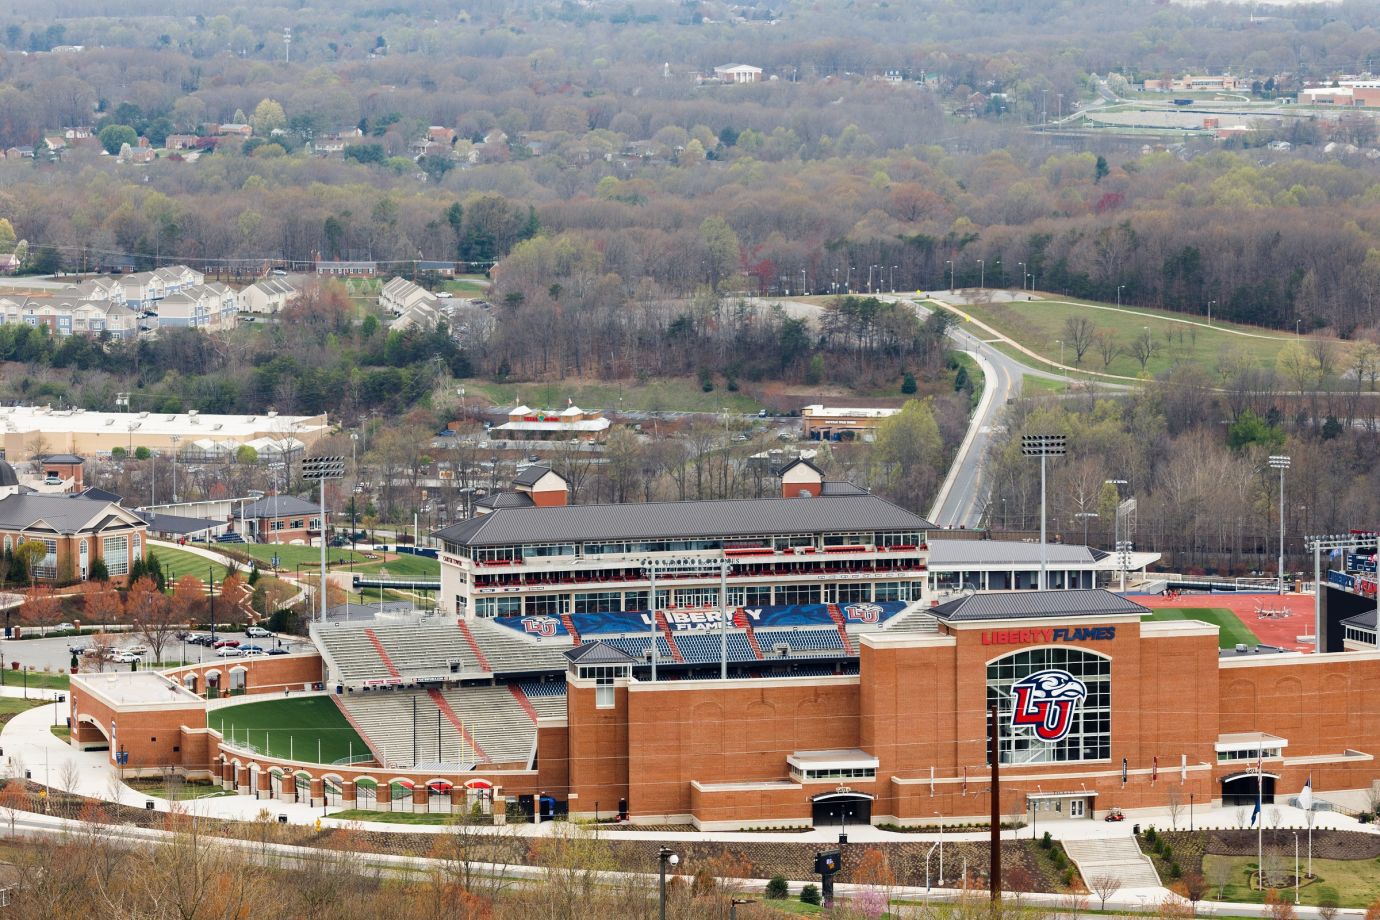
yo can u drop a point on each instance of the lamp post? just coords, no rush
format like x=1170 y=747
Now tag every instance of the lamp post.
x=1085 y=515
x=1281 y=463
x=1043 y=446
x=1061 y=350
x=982 y=274
x=893 y=278
x=174 y=439
x=665 y=858
x=1119 y=289
x=950 y=263
x=1022 y=267
x=1211 y=304
x=803 y=291
x=941 y=848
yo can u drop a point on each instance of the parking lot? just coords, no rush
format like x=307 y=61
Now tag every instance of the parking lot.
x=53 y=654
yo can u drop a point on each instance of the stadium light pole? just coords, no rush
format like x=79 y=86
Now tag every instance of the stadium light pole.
x=174 y=439
x=1043 y=446
x=691 y=566
x=1281 y=463
x=319 y=470
x=1116 y=529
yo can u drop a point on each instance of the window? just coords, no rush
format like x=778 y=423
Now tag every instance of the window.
x=797 y=594
x=1090 y=735
x=550 y=605
x=297 y=524
x=598 y=602
x=115 y=551
x=897 y=590
x=497 y=606
x=1249 y=754
x=697 y=597
x=1353 y=633
x=854 y=594
x=757 y=596
x=47 y=566
x=275 y=525
x=603 y=677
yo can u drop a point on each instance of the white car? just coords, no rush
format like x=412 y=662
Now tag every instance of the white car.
x=125 y=657
x=258 y=632
x=228 y=652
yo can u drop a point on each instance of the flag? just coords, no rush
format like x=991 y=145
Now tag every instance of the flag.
x=965 y=780
x=1155 y=768
x=1259 y=784
x=1306 y=796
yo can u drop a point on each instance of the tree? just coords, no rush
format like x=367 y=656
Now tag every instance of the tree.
x=267 y=116
x=151 y=613
x=1250 y=429
x=910 y=447
x=1194 y=887
x=1107 y=347
x=28 y=554
x=1078 y=335
x=1176 y=806
x=722 y=249
x=104 y=607
x=113 y=137
x=98 y=571
x=1104 y=886
x=1144 y=347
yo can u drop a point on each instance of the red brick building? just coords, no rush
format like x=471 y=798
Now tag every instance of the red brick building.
x=280 y=519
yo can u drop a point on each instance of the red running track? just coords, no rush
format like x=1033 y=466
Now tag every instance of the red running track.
x=1281 y=632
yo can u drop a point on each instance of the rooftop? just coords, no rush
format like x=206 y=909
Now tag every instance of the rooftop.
x=275 y=506
x=1007 y=552
x=45 y=419
x=63 y=513
x=1017 y=605
x=858 y=412
x=136 y=688
x=685 y=520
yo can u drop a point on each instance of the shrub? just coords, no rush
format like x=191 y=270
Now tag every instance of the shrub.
x=1150 y=836
x=1046 y=841
x=809 y=894
x=776 y=888
x=1175 y=871
x=1068 y=878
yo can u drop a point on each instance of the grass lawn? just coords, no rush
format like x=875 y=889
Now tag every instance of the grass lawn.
x=10 y=707
x=663 y=394
x=179 y=790
x=1233 y=631
x=44 y=680
x=291 y=728
x=390 y=817
x=178 y=562
x=1353 y=882
x=415 y=566
x=1039 y=325
x=61 y=731
x=1035 y=386
x=464 y=287
x=290 y=556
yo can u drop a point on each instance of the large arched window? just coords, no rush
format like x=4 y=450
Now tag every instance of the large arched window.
x=1089 y=732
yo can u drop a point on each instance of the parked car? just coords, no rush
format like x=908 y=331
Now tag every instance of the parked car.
x=227 y=643
x=137 y=649
x=228 y=651
x=252 y=649
x=277 y=651
x=80 y=648
x=124 y=656
x=62 y=626
x=258 y=632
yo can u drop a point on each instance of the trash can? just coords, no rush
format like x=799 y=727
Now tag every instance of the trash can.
x=148 y=805
x=1135 y=830
x=282 y=819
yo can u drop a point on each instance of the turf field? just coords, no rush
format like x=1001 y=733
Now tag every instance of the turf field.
x=1233 y=631
x=291 y=728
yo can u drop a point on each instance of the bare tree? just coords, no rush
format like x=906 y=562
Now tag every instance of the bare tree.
x=1144 y=347
x=1104 y=886
x=1176 y=806
x=1079 y=333
x=152 y=614
x=1107 y=347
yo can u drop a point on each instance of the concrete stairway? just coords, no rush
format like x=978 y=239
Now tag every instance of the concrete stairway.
x=1118 y=857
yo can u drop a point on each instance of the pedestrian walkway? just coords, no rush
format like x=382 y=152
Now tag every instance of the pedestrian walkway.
x=1115 y=857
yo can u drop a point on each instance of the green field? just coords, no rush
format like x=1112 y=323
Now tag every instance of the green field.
x=291 y=728
x=1036 y=386
x=179 y=562
x=10 y=707
x=1233 y=631
x=290 y=556
x=664 y=394
x=1353 y=882
x=1179 y=338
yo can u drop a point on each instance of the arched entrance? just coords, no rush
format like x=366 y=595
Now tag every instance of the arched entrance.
x=833 y=809
x=1241 y=788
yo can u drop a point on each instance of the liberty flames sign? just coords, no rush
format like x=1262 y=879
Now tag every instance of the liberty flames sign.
x=1046 y=702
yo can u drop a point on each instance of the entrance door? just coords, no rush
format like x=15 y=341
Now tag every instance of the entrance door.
x=834 y=809
x=1078 y=808
x=1241 y=789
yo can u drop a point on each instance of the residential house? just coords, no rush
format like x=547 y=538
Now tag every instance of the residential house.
x=345 y=268
x=211 y=308
x=142 y=289
x=267 y=296
x=234 y=129
x=179 y=142
x=440 y=135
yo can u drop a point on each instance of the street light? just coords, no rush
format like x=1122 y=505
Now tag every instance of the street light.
x=1123 y=549
x=982 y=274
x=665 y=858
x=1022 y=266
x=1281 y=463
x=1211 y=304
x=1085 y=515
x=1043 y=446
x=950 y=263
x=174 y=440
x=1119 y=289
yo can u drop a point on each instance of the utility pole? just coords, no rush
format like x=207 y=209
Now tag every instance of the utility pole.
x=994 y=744
x=1281 y=463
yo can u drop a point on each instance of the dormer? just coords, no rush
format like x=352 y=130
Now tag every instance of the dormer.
x=801 y=479
x=547 y=488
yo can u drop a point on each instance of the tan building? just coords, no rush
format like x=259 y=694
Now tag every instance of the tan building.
x=828 y=423
x=571 y=423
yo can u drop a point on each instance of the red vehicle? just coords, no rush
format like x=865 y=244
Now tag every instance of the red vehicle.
x=227 y=643
x=1115 y=815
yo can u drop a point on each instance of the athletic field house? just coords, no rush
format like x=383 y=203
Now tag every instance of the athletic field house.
x=786 y=661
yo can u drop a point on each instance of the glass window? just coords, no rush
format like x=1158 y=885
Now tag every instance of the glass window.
x=757 y=596
x=115 y=552
x=47 y=566
x=549 y=605
x=498 y=606
x=797 y=594
x=598 y=602
x=854 y=594
x=1089 y=736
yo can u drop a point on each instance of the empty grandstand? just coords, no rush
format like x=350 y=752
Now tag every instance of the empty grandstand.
x=458 y=728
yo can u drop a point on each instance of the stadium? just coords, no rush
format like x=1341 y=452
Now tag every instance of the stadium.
x=761 y=663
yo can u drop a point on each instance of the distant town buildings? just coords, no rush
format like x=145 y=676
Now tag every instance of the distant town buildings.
x=1214 y=83
x=1358 y=93
x=827 y=423
x=738 y=73
x=268 y=296
x=571 y=423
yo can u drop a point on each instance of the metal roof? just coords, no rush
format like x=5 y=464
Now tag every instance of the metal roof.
x=599 y=653
x=952 y=553
x=1014 y=605
x=1363 y=620
x=840 y=487
x=530 y=475
x=63 y=458
x=505 y=500
x=276 y=506
x=175 y=523
x=64 y=513
x=665 y=520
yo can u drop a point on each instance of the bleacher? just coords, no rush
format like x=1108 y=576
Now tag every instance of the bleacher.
x=812 y=643
x=499 y=726
x=918 y=620
x=417 y=649
x=637 y=646
x=703 y=647
x=512 y=653
x=538 y=689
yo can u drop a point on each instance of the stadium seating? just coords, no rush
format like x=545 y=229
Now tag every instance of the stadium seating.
x=509 y=652
x=636 y=646
x=500 y=727
x=813 y=643
x=703 y=647
x=416 y=649
x=536 y=689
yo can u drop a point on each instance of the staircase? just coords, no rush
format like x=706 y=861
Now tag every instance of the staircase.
x=378 y=647
x=670 y=639
x=454 y=720
x=836 y=615
x=740 y=620
x=569 y=622
x=474 y=646
x=521 y=696
x=1116 y=857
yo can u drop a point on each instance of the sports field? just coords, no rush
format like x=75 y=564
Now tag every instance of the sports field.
x=1233 y=631
x=291 y=728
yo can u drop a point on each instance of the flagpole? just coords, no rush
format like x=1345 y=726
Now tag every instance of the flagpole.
x=1260 y=818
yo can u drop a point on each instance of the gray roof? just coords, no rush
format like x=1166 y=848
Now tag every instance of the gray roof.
x=505 y=500
x=63 y=458
x=276 y=506
x=1363 y=620
x=529 y=476
x=64 y=513
x=599 y=653
x=102 y=495
x=840 y=487
x=175 y=523
x=664 y=520
x=951 y=553
x=1014 y=605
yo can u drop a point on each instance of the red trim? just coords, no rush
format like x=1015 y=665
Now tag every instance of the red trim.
x=378 y=647
x=359 y=729
x=450 y=715
x=474 y=646
x=524 y=702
